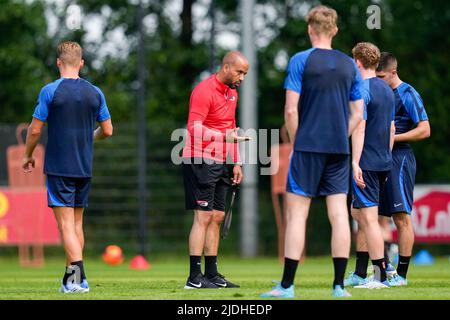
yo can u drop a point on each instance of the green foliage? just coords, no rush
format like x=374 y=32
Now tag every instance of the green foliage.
x=23 y=47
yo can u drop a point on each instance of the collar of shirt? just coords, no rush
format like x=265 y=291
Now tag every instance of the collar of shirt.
x=221 y=87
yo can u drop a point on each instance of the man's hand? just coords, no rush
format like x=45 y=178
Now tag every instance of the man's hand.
x=233 y=137
x=27 y=161
x=358 y=175
x=237 y=175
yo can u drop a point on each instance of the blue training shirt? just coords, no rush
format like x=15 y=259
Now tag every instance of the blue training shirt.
x=409 y=109
x=70 y=107
x=327 y=80
x=379 y=112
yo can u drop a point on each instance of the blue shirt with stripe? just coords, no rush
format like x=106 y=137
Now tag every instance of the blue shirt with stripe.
x=409 y=110
x=379 y=112
x=70 y=107
x=327 y=80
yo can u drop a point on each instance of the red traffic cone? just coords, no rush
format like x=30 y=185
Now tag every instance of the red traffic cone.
x=139 y=263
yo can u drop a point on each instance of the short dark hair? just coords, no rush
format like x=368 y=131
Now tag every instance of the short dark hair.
x=387 y=62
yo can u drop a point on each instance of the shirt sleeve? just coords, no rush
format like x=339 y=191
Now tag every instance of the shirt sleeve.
x=103 y=112
x=365 y=92
x=355 y=91
x=199 y=106
x=44 y=99
x=393 y=107
x=414 y=106
x=295 y=70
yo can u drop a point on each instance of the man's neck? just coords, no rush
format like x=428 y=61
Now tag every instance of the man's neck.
x=368 y=73
x=396 y=82
x=220 y=76
x=69 y=73
x=321 y=42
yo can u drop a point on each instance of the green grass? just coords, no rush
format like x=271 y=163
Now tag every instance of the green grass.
x=166 y=278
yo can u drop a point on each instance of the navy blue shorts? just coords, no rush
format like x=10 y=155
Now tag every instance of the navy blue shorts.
x=399 y=188
x=370 y=195
x=318 y=174
x=67 y=192
x=206 y=185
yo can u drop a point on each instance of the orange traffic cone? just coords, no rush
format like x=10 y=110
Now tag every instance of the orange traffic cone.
x=139 y=263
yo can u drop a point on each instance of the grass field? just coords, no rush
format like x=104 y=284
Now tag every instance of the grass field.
x=166 y=278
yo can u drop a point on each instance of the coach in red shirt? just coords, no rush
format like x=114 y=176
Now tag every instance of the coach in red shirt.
x=211 y=164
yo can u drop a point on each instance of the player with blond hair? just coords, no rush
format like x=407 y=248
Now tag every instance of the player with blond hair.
x=323 y=107
x=70 y=106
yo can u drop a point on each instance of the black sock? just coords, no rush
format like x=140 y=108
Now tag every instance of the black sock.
x=290 y=267
x=379 y=269
x=68 y=273
x=403 y=264
x=340 y=264
x=211 y=266
x=387 y=245
x=195 y=266
x=81 y=273
x=362 y=261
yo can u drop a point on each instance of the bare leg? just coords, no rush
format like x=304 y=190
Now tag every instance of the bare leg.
x=79 y=225
x=213 y=233
x=368 y=219
x=296 y=215
x=65 y=217
x=405 y=233
x=361 y=244
x=338 y=216
x=385 y=228
x=197 y=237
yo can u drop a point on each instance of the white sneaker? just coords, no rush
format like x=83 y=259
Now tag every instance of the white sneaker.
x=72 y=288
x=374 y=284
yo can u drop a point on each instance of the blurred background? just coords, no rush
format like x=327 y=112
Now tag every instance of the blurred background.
x=147 y=56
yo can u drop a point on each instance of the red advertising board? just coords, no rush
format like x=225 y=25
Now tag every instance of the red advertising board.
x=25 y=218
x=431 y=213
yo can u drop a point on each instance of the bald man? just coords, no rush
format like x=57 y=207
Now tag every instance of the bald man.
x=211 y=164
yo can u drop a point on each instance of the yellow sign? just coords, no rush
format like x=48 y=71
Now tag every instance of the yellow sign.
x=4 y=205
x=3 y=234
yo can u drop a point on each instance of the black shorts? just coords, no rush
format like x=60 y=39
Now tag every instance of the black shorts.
x=206 y=185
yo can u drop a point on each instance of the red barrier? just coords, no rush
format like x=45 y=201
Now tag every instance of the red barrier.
x=25 y=218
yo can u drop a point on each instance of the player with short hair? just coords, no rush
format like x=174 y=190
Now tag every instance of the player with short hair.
x=323 y=107
x=411 y=124
x=372 y=142
x=206 y=173
x=70 y=106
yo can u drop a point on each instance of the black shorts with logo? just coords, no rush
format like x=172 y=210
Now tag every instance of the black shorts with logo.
x=206 y=185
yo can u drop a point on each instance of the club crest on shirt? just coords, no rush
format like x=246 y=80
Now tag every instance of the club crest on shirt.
x=232 y=98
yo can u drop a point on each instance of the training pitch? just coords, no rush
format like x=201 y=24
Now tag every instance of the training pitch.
x=167 y=276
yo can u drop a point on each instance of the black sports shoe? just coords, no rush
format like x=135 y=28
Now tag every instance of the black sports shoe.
x=220 y=281
x=199 y=282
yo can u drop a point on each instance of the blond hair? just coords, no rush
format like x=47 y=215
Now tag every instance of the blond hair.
x=70 y=53
x=368 y=54
x=323 y=20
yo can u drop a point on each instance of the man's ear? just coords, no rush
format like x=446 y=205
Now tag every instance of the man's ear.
x=310 y=30
x=335 y=31
x=58 y=62
x=81 y=64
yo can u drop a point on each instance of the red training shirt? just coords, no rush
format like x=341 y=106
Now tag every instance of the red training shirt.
x=212 y=109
